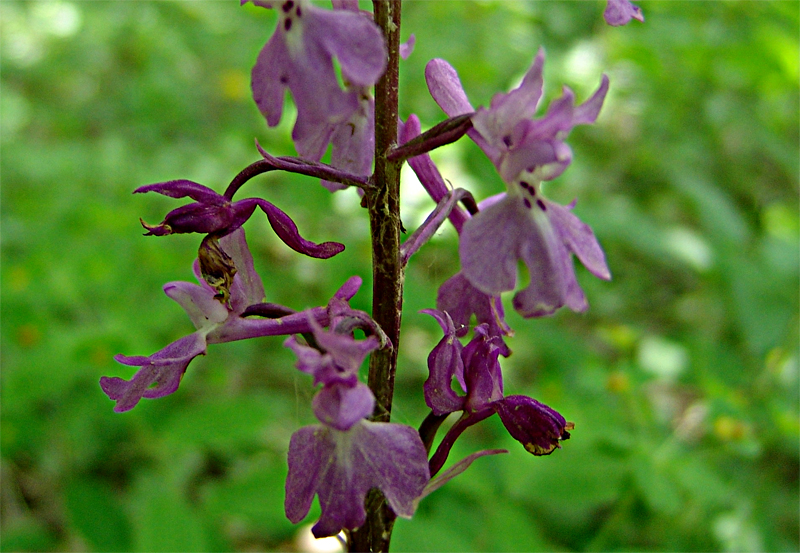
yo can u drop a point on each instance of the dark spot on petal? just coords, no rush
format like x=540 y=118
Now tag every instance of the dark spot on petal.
x=527 y=203
x=524 y=184
x=287 y=24
x=299 y=12
x=531 y=169
x=541 y=205
x=284 y=79
x=288 y=5
x=507 y=140
x=532 y=191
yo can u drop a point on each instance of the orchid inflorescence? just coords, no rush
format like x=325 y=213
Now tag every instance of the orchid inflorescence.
x=352 y=451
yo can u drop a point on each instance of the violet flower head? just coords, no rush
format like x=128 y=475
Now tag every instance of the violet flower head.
x=299 y=56
x=216 y=322
x=523 y=224
x=213 y=213
x=620 y=12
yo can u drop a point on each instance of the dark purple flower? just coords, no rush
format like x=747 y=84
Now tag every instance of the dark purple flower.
x=620 y=12
x=214 y=213
x=476 y=369
x=341 y=467
x=535 y=425
x=522 y=224
x=299 y=56
x=216 y=322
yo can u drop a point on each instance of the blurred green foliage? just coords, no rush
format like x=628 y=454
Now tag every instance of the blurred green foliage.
x=682 y=378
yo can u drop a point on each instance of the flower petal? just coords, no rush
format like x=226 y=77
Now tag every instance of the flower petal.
x=198 y=302
x=444 y=362
x=340 y=406
x=620 y=12
x=183 y=188
x=287 y=231
x=490 y=244
x=539 y=428
x=461 y=300
x=354 y=39
x=164 y=369
x=579 y=238
x=247 y=288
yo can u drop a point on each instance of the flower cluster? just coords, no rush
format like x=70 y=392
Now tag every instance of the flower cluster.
x=329 y=60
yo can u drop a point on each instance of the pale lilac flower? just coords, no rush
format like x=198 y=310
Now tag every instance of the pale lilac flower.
x=216 y=322
x=522 y=224
x=299 y=56
x=620 y=12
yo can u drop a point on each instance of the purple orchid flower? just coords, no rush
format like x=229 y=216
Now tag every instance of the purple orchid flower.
x=620 y=12
x=216 y=322
x=341 y=467
x=299 y=56
x=343 y=400
x=214 y=213
x=523 y=224
x=476 y=368
x=344 y=457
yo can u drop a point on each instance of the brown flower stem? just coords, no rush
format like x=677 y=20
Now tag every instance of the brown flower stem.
x=383 y=203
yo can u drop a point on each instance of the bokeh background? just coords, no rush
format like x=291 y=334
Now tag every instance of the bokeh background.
x=682 y=378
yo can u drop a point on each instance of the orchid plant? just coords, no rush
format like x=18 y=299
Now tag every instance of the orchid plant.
x=364 y=469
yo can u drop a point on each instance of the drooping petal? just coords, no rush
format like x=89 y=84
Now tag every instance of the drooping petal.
x=552 y=275
x=341 y=467
x=269 y=79
x=287 y=231
x=579 y=238
x=353 y=143
x=620 y=12
x=164 y=369
x=536 y=426
x=340 y=406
